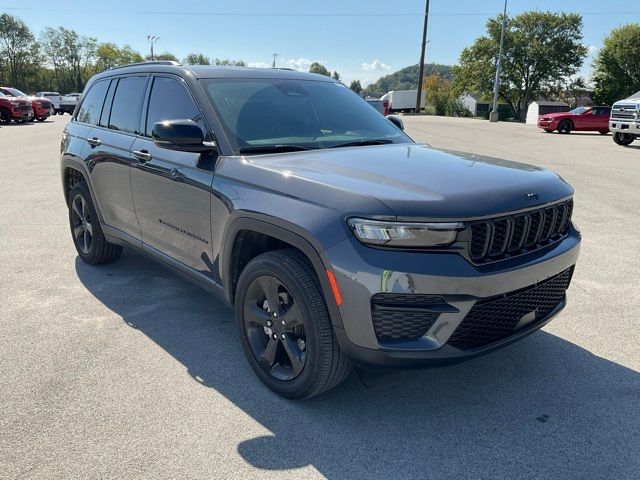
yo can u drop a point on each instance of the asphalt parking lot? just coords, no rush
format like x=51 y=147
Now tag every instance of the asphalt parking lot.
x=126 y=371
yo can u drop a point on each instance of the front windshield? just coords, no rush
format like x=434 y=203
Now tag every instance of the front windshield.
x=579 y=110
x=262 y=115
x=17 y=93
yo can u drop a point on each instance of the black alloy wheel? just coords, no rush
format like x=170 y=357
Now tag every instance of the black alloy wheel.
x=5 y=117
x=565 y=126
x=81 y=226
x=274 y=327
x=284 y=326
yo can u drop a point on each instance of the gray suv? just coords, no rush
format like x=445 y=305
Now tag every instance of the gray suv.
x=335 y=237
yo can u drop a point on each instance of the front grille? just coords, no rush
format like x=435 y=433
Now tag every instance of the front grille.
x=403 y=316
x=24 y=108
x=502 y=237
x=45 y=104
x=495 y=318
x=623 y=112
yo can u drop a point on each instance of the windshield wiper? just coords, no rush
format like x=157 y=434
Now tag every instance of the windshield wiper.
x=361 y=143
x=274 y=148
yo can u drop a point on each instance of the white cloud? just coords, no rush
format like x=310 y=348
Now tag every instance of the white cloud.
x=592 y=49
x=302 y=64
x=259 y=65
x=375 y=66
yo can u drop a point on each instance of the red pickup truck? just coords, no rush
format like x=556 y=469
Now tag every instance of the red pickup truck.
x=41 y=107
x=14 y=108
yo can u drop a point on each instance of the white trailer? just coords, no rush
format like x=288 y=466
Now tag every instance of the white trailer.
x=403 y=101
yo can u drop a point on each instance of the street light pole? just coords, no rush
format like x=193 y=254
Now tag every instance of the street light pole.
x=273 y=65
x=424 y=47
x=152 y=39
x=493 y=116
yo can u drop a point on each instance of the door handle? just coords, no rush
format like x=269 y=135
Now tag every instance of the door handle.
x=142 y=155
x=94 y=142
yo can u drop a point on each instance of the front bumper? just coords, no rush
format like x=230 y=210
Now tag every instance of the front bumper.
x=41 y=112
x=625 y=126
x=547 y=124
x=21 y=114
x=361 y=272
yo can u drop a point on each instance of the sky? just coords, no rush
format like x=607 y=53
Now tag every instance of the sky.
x=360 y=39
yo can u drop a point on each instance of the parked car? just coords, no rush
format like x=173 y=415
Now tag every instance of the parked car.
x=336 y=238
x=625 y=120
x=402 y=101
x=68 y=102
x=581 y=119
x=54 y=98
x=14 y=108
x=40 y=106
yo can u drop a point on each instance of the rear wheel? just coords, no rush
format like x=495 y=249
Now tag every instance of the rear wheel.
x=86 y=231
x=284 y=326
x=565 y=126
x=623 y=139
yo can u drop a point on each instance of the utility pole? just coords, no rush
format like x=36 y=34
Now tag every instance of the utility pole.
x=273 y=65
x=493 y=116
x=424 y=47
x=152 y=39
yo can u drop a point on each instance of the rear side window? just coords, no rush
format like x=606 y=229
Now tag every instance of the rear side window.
x=91 y=106
x=104 y=118
x=170 y=100
x=127 y=104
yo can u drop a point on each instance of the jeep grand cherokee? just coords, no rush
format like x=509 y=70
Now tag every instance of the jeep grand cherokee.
x=336 y=238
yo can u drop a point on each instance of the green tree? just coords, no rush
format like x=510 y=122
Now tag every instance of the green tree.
x=316 y=67
x=109 y=55
x=166 y=56
x=437 y=92
x=19 y=52
x=405 y=79
x=71 y=55
x=356 y=86
x=617 y=65
x=540 y=49
x=197 y=59
x=336 y=76
x=229 y=63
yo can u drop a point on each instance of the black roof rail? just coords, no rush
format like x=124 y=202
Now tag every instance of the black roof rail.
x=155 y=62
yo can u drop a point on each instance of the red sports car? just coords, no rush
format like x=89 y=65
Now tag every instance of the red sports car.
x=595 y=119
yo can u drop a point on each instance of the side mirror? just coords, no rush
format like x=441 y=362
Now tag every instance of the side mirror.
x=184 y=135
x=396 y=120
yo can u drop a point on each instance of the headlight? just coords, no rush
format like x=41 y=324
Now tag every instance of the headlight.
x=400 y=234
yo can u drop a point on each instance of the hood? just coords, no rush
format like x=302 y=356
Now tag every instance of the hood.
x=555 y=115
x=417 y=181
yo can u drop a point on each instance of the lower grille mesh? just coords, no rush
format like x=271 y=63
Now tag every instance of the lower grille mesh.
x=496 y=318
x=403 y=316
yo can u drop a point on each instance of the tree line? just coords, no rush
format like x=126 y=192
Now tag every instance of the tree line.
x=60 y=59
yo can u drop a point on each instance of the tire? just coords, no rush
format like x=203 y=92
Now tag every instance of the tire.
x=565 y=126
x=86 y=231
x=5 y=116
x=308 y=338
x=547 y=130
x=41 y=119
x=623 y=139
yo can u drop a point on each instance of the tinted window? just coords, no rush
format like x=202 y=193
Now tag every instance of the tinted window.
x=303 y=113
x=91 y=106
x=104 y=118
x=170 y=101
x=127 y=104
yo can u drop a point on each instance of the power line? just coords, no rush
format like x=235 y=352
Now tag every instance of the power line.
x=271 y=14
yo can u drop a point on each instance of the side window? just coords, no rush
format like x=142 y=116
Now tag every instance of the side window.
x=106 y=110
x=170 y=100
x=91 y=106
x=127 y=104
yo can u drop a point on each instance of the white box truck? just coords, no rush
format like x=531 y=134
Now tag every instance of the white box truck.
x=403 y=101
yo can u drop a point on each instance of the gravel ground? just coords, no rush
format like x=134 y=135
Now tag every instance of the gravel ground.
x=126 y=371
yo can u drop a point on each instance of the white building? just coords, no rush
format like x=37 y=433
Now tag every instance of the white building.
x=540 y=107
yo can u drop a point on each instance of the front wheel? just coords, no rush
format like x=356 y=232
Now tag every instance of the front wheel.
x=623 y=139
x=565 y=126
x=284 y=326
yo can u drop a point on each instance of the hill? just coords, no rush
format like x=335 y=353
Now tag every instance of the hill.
x=405 y=79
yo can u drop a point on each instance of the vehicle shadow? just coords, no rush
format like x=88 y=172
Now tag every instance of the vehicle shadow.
x=543 y=408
